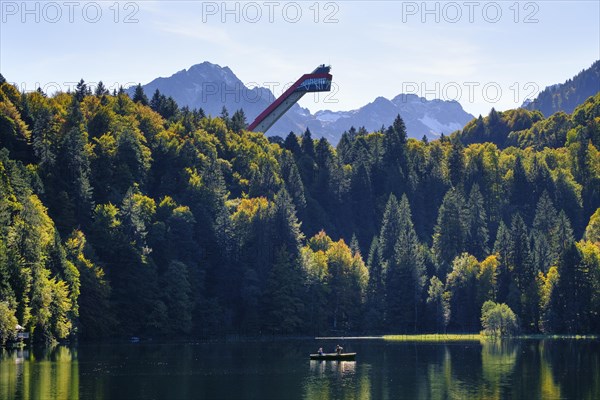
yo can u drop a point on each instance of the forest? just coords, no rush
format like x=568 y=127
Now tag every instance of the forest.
x=568 y=95
x=128 y=216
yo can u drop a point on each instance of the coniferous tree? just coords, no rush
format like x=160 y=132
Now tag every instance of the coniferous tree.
x=306 y=160
x=344 y=148
x=545 y=249
x=238 y=121
x=225 y=117
x=264 y=182
x=354 y=245
x=404 y=275
x=291 y=144
x=390 y=229
x=132 y=161
x=476 y=241
x=362 y=200
x=308 y=146
x=176 y=290
x=519 y=260
x=520 y=190
x=324 y=160
x=286 y=225
x=568 y=199
x=81 y=90
x=394 y=157
x=375 y=299
x=101 y=90
x=541 y=179
x=450 y=232
x=564 y=232
x=292 y=180
x=43 y=141
x=139 y=96
x=74 y=180
x=283 y=304
x=502 y=247
x=169 y=108
x=155 y=102
x=570 y=300
x=456 y=163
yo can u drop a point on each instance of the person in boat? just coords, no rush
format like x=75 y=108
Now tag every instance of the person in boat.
x=320 y=351
x=339 y=349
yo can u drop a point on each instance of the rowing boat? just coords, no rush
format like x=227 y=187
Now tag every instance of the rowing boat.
x=334 y=356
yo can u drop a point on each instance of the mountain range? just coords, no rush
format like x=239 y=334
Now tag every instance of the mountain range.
x=212 y=87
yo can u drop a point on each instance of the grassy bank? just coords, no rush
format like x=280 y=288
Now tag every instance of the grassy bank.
x=436 y=337
x=475 y=337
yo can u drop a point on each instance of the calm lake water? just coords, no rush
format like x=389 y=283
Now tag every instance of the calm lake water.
x=525 y=369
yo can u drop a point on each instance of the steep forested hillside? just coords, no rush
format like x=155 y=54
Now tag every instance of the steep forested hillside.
x=123 y=217
x=566 y=96
x=522 y=128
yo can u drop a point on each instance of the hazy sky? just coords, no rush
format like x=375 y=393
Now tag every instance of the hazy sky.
x=482 y=53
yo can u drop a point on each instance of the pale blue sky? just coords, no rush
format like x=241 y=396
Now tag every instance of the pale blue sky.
x=376 y=48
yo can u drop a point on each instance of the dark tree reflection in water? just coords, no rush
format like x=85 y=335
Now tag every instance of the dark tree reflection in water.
x=280 y=369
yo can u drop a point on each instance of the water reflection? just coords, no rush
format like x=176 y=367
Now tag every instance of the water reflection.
x=341 y=368
x=337 y=380
x=477 y=371
x=50 y=373
x=489 y=370
x=566 y=369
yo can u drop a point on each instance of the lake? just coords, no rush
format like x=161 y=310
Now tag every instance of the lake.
x=280 y=369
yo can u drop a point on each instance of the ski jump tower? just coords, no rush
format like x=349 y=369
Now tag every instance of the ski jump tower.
x=317 y=81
